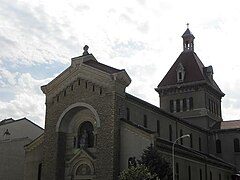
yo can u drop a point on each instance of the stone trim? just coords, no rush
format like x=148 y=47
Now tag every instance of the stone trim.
x=78 y=104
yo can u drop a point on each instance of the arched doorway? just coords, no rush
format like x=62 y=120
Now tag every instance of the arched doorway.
x=78 y=126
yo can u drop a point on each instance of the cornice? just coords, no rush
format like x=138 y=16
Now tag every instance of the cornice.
x=35 y=143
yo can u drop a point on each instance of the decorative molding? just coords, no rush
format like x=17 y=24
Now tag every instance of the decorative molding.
x=78 y=104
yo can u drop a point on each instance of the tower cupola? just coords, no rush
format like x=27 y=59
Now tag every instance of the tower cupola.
x=188 y=40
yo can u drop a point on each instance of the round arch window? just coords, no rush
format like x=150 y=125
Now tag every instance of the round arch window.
x=83 y=169
x=85 y=135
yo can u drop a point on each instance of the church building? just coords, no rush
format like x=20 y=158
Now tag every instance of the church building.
x=93 y=126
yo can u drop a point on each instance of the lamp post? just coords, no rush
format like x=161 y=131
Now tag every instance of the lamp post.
x=173 y=163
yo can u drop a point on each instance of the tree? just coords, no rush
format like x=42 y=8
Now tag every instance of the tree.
x=156 y=164
x=151 y=166
x=140 y=172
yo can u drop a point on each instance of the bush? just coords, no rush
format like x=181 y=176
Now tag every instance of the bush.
x=140 y=172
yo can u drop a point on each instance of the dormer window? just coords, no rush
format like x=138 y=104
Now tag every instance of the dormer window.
x=209 y=72
x=180 y=73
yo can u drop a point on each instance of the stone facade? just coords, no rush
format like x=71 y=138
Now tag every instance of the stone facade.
x=78 y=95
x=93 y=126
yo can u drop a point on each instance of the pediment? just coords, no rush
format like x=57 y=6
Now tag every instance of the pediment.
x=81 y=155
x=81 y=165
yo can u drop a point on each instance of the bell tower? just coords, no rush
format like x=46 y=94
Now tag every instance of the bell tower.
x=188 y=40
x=188 y=90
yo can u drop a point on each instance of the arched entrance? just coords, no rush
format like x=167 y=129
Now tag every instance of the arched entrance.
x=78 y=124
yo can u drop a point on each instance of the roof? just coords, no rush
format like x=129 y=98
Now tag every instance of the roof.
x=35 y=143
x=187 y=33
x=102 y=67
x=194 y=70
x=190 y=153
x=11 y=120
x=223 y=125
x=138 y=126
x=192 y=66
x=165 y=113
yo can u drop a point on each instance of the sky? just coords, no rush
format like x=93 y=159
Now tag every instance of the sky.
x=39 y=38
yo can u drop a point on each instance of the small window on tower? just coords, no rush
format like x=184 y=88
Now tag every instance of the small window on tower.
x=171 y=106
x=145 y=120
x=180 y=73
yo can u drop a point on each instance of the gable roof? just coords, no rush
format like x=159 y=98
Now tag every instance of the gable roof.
x=102 y=67
x=194 y=72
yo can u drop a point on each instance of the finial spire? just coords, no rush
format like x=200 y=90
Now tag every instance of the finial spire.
x=187 y=25
x=85 y=48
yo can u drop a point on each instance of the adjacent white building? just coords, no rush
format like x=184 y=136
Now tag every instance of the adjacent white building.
x=14 y=135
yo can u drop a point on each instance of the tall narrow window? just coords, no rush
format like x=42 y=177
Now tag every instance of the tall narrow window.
x=170 y=132
x=145 y=120
x=128 y=114
x=189 y=173
x=209 y=105
x=191 y=140
x=177 y=171
x=178 y=105
x=39 y=171
x=199 y=144
x=217 y=110
x=219 y=177
x=218 y=146
x=200 y=174
x=171 y=106
x=191 y=103
x=212 y=106
x=236 y=145
x=74 y=142
x=181 y=134
x=158 y=127
x=210 y=175
x=184 y=104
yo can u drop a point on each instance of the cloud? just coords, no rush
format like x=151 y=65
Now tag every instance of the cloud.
x=127 y=49
x=37 y=40
x=31 y=36
x=25 y=98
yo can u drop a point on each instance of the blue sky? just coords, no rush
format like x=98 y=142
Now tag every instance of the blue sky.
x=39 y=38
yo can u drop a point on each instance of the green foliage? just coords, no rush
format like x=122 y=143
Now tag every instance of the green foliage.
x=156 y=164
x=140 y=172
x=151 y=166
